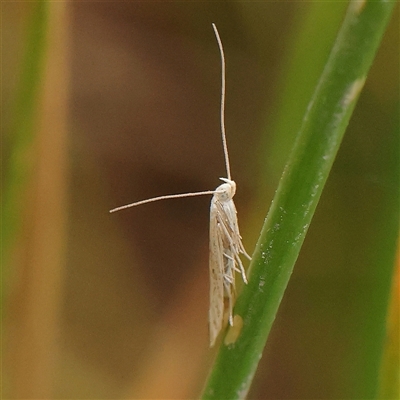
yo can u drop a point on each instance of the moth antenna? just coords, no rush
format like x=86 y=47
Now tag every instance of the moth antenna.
x=168 y=196
x=221 y=50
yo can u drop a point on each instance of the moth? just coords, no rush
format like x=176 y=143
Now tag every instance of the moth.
x=225 y=241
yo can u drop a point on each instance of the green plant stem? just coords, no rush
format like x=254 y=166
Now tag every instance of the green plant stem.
x=298 y=194
x=20 y=163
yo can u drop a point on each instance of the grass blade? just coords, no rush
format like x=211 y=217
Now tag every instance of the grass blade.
x=19 y=164
x=297 y=196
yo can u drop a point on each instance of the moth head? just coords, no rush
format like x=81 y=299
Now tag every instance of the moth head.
x=226 y=191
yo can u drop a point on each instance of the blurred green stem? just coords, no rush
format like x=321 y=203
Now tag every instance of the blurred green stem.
x=20 y=139
x=298 y=194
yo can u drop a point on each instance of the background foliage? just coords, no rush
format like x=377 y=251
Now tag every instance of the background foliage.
x=120 y=302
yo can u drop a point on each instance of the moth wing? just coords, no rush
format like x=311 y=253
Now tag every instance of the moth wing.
x=216 y=312
x=227 y=219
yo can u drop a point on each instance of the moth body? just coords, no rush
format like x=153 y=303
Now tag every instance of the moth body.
x=225 y=249
x=225 y=241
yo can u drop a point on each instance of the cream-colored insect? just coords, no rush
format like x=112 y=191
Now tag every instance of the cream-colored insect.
x=225 y=240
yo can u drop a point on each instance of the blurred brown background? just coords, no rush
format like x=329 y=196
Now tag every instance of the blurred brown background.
x=125 y=315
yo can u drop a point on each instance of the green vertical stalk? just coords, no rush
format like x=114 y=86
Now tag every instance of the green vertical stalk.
x=297 y=196
x=20 y=138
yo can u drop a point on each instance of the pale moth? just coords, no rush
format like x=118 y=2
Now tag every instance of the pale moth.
x=225 y=240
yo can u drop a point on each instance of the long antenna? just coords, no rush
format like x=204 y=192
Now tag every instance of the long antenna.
x=221 y=50
x=228 y=169
x=168 y=196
